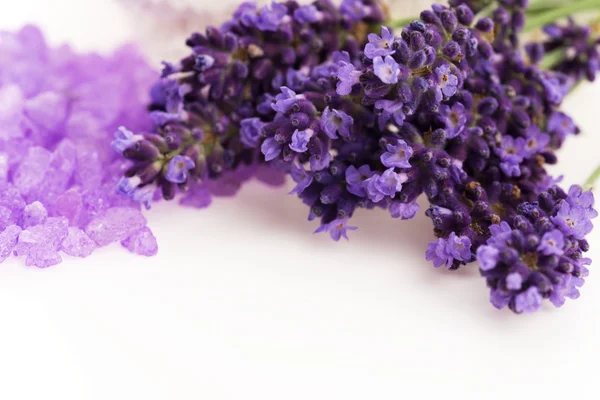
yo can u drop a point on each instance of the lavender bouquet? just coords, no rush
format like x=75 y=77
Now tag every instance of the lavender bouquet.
x=365 y=111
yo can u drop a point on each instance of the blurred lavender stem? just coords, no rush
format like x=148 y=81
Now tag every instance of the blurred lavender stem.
x=560 y=11
x=589 y=183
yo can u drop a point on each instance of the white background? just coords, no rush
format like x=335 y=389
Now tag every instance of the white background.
x=243 y=302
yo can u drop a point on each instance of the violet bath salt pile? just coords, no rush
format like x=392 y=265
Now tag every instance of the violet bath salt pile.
x=58 y=113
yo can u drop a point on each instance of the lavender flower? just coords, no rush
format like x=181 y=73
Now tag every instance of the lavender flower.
x=387 y=70
x=212 y=107
x=337 y=229
x=177 y=171
x=380 y=46
x=539 y=257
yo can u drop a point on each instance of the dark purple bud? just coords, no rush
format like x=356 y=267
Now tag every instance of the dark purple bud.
x=584 y=245
x=377 y=90
x=402 y=51
x=288 y=56
x=485 y=49
x=443 y=162
x=431 y=55
x=427 y=157
x=299 y=120
x=475 y=131
x=262 y=68
x=168 y=189
x=345 y=207
x=417 y=41
x=142 y=150
x=433 y=39
x=487 y=106
x=305 y=106
x=485 y=25
x=429 y=17
x=465 y=98
x=337 y=169
x=464 y=14
x=331 y=193
x=441 y=217
x=404 y=92
x=230 y=41
x=452 y=50
x=518 y=20
x=215 y=37
x=501 y=16
x=149 y=173
x=449 y=20
x=173 y=141
x=521 y=119
x=417 y=26
x=521 y=102
x=405 y=34
x=480 y=146
x=549 y=157
x=196 y=39
x=324 y=177
x=488 y=125
x=418 y=60
x=240 y=70
x=461 y=35
x=565 y=267
x=439 y=174
x=438 y=139
x=472 y=45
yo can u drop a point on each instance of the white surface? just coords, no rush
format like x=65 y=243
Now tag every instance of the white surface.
x=242 y=302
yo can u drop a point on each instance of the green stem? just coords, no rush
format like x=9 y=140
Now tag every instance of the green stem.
x=589 y=183
x=552 y=59
x=540 y=6
x=399 y=23
x=556 y=13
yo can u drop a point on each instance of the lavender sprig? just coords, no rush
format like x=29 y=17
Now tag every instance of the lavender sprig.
x=208 y=108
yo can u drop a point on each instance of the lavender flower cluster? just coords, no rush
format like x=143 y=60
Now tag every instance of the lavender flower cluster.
x=449 y=107
x=209 y=107
x=58 y=110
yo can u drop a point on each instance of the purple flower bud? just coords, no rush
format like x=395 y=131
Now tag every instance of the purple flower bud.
x=485 y=25
x=417 y=41
x=452 y=50
x=250 y=131
x=449 y=20
x=331 y=193
x=433 y=39
x=464 y=14
x=461 y=35
x=418 y=60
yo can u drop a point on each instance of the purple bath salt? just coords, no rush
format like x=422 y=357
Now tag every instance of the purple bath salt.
x=142 y=242
x=58 y=174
